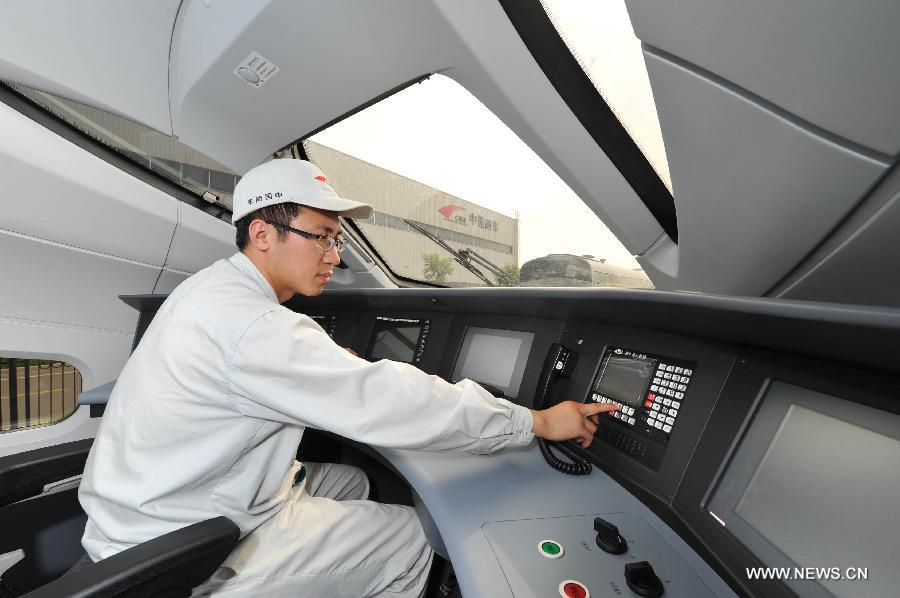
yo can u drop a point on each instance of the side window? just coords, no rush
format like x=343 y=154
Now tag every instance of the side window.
x=164 y=155
x=36 y=392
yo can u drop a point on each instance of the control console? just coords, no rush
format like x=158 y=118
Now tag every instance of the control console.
x=650 y=390
x=571 y=557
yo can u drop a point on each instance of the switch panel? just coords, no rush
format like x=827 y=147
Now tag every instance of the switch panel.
x=531 y=574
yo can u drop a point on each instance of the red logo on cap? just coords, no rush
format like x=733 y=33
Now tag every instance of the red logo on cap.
x=321 y=178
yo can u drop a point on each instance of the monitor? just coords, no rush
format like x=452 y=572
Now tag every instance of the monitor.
x=814 y=483
x=399 y=339
x=493 y=356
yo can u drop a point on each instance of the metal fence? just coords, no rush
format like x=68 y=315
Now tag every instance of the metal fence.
x=36 y=392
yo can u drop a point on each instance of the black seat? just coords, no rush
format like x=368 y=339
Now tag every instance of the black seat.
x=166 y=567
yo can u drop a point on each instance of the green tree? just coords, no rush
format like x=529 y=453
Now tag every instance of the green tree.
x=437 y=268
x=510 y=278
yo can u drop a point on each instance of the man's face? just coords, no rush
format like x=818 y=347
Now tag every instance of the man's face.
x=297 y=264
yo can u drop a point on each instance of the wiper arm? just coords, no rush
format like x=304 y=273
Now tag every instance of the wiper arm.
x=463 y=258
x=501 y=275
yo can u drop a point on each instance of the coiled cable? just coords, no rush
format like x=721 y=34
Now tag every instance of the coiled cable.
x=578 y=466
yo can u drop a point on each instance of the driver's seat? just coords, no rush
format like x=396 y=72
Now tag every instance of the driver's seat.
x=166 y=567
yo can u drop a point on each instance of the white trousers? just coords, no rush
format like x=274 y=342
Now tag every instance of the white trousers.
x=328 y=540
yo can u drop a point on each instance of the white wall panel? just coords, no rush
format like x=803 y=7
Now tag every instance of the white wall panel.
x=862 y=258
x=53 y=283
x=830 y=62
x=53 y=189
x=332 y=56
x=753 y=191
x=199 y=241
x=168 y=280
x=105 y=53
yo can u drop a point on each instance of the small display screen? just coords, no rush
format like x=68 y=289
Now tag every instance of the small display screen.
x=495 y=357
x=624 y=379
x=398 y=339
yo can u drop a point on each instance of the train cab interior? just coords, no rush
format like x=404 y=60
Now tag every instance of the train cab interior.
x=686 y=208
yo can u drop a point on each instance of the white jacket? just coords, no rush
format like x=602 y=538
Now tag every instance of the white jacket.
x=206 y=417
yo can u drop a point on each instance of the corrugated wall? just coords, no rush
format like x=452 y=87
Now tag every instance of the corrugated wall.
x=462 y=224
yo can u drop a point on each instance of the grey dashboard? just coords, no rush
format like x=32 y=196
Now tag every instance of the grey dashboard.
x=725 y=401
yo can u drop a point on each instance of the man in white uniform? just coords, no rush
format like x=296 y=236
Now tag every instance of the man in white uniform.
x=207 y=415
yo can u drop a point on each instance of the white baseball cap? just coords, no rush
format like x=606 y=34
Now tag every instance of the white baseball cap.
x=289 y=180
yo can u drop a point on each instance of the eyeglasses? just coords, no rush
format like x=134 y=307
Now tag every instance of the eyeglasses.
x=323 y=242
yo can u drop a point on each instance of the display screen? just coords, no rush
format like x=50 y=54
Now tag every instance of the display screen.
x=398 y=339
x=814 y=483
x=624 y=379
x=496 y=357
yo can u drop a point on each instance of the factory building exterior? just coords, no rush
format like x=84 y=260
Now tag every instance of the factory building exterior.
x=460 y=223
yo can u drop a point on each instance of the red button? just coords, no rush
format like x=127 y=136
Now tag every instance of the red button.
x=574 y=590
x=648 y=403
x=651 y=396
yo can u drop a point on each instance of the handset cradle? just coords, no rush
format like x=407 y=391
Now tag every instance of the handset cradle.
x=559 y=363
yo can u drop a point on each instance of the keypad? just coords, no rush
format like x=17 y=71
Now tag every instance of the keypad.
x=665 y=395
x=624 y=441
x=656 y=414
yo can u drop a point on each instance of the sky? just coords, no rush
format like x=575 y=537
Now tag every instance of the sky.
x=437 y=133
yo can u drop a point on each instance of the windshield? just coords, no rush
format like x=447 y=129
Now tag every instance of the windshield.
x=461 y=201
x=600 y=36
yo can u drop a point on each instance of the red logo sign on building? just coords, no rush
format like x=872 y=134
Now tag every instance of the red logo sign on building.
x=447 y=211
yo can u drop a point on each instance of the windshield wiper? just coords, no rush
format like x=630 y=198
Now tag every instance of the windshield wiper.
x=466 y=257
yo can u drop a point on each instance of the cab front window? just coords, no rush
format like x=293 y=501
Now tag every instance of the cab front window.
x=461 y=201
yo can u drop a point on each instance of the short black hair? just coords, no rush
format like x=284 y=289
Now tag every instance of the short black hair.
x=280 y=213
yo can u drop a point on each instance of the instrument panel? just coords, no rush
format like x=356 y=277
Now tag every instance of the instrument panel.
x=694 y=424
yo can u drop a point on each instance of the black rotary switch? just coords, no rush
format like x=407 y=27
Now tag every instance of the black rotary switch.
x=608 y=537
x=642 y=580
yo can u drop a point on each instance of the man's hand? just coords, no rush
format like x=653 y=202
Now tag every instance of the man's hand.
x=570 y=421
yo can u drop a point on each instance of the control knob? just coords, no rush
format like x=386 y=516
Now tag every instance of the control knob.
x=608 y=537
x=642 y=580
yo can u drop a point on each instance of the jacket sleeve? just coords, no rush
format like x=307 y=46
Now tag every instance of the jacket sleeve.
x=286 y=369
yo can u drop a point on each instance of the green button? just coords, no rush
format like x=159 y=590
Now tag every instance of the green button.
x=550 y=548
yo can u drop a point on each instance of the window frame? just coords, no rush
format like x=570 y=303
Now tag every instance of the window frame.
x=50 y=121
x=14 y=422
x=298 y=150
x=576 y=89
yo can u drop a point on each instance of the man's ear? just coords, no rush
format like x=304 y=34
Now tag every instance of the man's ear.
x=259 y=235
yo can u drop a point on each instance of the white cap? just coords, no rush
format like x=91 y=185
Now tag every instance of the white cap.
x=288 y=180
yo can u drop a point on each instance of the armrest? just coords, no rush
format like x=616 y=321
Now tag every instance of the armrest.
x=169 y=565
x=25 y=474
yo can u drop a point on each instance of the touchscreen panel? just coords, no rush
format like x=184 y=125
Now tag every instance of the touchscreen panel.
x=813 y=484
x=624 y=379
x=493 y=356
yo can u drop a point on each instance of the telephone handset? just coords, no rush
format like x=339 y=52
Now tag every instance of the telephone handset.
x=559 y=363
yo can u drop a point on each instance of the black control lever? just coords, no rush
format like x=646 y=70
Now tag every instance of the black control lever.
x=608 y=537
x=643 y=581
x=559 y=363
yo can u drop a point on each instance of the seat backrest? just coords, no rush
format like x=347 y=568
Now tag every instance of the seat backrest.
x=167 y=566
